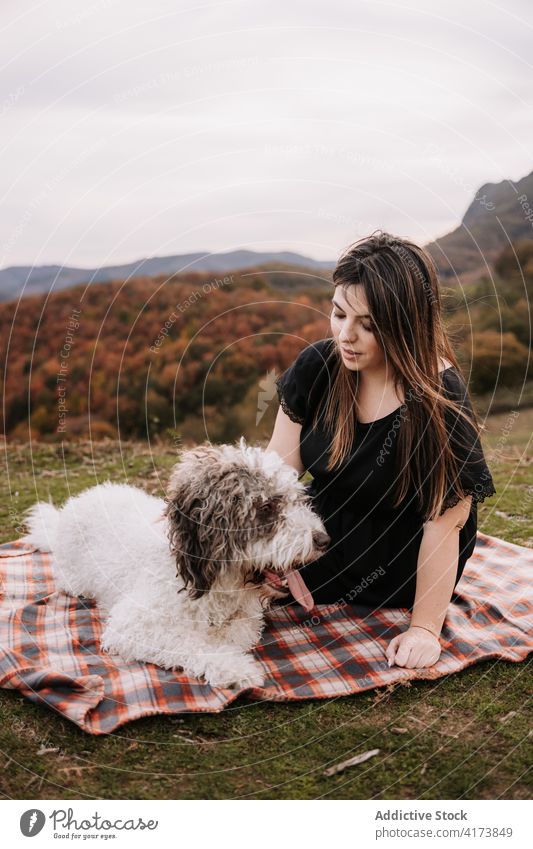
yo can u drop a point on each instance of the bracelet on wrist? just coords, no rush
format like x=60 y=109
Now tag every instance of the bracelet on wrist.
x=426 y=629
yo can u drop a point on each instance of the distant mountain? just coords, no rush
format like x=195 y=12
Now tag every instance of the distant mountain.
x=21 y=279
x=497 y=215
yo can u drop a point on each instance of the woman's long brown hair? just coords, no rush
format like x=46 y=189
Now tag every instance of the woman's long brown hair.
x=401 y=286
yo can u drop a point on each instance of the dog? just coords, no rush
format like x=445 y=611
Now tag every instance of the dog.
x=180 y=581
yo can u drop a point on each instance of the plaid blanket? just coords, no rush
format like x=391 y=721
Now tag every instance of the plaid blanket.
x=50 y=650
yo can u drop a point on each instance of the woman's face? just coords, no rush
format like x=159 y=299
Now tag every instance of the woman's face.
x=353 y=330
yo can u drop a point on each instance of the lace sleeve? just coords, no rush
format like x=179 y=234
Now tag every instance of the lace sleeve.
x=294 y=385
x=290 y=409
x=479 y=492
x=472 y=470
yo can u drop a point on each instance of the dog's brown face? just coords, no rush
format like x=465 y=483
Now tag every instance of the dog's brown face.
x=238 y=509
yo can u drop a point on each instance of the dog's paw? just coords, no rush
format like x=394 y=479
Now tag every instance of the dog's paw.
x=239 y=676
x=254 y=678
x=243 y=682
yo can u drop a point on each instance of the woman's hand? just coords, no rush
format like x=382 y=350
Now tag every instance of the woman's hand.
x=415 y=648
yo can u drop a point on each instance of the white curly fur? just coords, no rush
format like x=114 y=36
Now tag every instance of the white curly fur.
x=230 y=512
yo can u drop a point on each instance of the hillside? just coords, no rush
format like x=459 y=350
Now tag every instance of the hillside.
x=195 y=352
x=499 y=214
x=140 y=356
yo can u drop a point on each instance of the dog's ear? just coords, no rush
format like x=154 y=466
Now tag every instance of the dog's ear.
x=186 y=531
x=207 y=525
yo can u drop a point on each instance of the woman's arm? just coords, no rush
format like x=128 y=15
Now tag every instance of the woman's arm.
x=285 y=440
x=437 y=567
x=436 y=573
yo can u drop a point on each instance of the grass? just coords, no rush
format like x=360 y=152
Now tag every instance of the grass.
x=463 y=737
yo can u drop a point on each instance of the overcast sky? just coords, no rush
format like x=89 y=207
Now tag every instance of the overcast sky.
x=134 y=129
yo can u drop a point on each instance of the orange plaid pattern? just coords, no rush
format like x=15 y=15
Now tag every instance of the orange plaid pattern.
x=50 y=643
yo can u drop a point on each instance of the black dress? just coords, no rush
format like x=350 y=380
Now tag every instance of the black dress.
x=373 y=554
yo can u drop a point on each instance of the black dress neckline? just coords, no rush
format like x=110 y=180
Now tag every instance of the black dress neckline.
x=384 y=418
x=377 y=421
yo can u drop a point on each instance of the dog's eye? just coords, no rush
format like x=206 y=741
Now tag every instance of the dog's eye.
x=267 y=508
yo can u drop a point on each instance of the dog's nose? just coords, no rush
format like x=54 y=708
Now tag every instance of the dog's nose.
x=320 y=540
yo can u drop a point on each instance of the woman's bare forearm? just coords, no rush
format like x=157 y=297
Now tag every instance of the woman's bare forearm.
x=435 y=577
x=437 y=564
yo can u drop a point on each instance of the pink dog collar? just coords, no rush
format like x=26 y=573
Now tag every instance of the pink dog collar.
x=296 y=585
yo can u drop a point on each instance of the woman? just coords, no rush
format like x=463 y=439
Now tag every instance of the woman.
x=381 y=417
